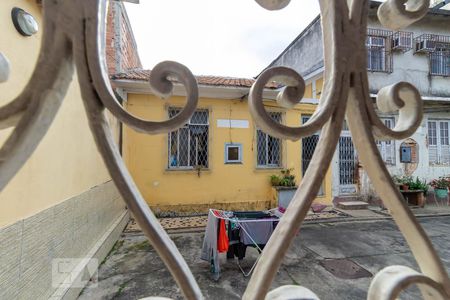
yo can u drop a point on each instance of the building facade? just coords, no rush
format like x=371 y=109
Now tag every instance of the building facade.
x=187 y=170
x=62 y=204
x=419 y=55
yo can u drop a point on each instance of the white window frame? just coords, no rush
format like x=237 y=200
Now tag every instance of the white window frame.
x=376 y=46
x=387 y=148
x=233 y=145
x=169 y=142
x=440 y=62
x=435 y=143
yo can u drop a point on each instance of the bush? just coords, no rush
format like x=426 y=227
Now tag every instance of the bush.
x=285 y=179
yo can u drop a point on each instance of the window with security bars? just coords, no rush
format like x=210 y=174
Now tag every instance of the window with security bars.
x=440 y=63
x=188 y=146
x=387 y=148
x=438 y=142
x=309 y=145
x=268 y=147
x=378 y=58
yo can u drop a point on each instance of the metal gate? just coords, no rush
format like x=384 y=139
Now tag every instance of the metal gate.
x=348 y=164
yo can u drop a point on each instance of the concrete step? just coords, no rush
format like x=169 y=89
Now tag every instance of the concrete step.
x=352 y=205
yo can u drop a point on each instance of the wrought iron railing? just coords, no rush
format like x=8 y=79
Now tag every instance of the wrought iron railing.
x=73 y=33
x=379 y=32
x=426 y=43
x=402 y=41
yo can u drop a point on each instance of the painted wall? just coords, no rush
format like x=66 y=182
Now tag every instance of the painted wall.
x=423 y=170
x=235 y=186
x=414 y=67
x=66 y=163
x=305 y=53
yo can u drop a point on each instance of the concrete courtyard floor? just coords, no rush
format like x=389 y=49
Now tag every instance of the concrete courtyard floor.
x=133 y=269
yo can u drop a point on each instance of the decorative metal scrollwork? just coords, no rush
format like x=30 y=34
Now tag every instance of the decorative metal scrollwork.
x=4 y=68
x=74 y=31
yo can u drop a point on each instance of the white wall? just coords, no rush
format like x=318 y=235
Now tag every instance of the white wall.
x=411 y=67
x=424 y=170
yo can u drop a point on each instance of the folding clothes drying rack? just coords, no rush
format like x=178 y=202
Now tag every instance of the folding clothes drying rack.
x=246 y=217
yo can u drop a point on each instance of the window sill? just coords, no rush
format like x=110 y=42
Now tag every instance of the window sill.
x=262 y=168
x=233 y=163
x=186 y=170
x=440 y=75
x=379 y=71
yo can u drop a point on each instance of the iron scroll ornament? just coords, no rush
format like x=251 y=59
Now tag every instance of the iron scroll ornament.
x=74 y=33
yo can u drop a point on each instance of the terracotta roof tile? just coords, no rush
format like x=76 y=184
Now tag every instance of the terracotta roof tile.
x=144 y=75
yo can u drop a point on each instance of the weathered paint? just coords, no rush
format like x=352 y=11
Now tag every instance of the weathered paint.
x=424 y=170
x=305 y=55
x=228 y=186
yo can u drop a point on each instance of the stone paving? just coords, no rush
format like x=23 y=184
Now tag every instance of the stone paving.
x=199 y=222
x=133 y=269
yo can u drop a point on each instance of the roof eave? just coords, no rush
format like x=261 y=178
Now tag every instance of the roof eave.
x=205 y=91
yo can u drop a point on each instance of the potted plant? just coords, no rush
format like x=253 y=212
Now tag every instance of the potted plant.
x=440 y=186
x=284 y=186
x=416 y=191
x=402 y=181
x=418 y=185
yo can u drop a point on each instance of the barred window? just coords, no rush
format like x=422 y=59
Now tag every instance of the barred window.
x=440 y=63
x=378 y=58
x=188 y=146
x=438 y=142
x=387 y=148
x=268 y=147
x=309 y=145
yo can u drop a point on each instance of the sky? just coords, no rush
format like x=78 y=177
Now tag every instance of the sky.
x=236 y=38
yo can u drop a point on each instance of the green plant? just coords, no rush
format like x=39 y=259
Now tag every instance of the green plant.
x=418 y=185
x=275 y=180
x=286 y=178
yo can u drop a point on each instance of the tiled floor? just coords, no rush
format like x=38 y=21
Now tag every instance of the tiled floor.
x=173 y=223
x=183 y=222
x=200 y=221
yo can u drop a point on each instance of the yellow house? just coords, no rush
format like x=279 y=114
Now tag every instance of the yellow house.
x=220 y=159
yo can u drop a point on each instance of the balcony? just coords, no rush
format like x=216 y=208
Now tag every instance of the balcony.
x=427 y=43
x=402 y=41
